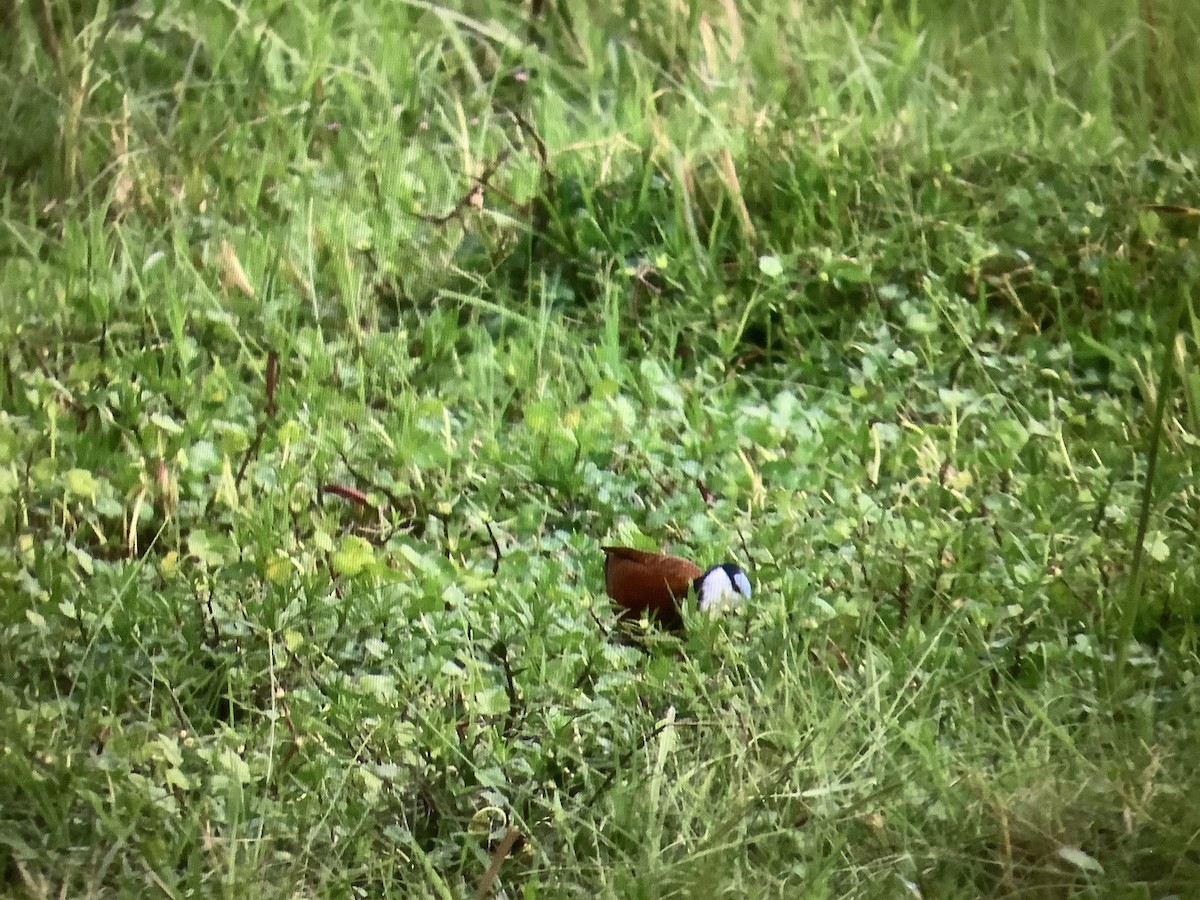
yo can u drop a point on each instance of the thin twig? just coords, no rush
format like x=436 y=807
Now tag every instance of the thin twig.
x=392 y=498
x=516 y=706
x=745 y=547
x=211 y=619
x=902 y=594
x=503 y=849
x=268 y=415
x=495 y=547
x=473 y=197
x=539 y=144
x=353 y=494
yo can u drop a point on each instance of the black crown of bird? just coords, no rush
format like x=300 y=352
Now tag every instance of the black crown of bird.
x=655 y=583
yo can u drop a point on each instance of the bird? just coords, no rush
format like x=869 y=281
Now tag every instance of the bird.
x=639 y=582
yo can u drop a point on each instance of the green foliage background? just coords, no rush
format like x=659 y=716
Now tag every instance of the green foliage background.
x=338 y=338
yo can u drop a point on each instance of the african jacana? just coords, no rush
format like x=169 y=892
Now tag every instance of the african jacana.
x=656 y=583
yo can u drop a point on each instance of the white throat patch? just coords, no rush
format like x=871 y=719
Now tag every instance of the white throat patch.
x=718 y=591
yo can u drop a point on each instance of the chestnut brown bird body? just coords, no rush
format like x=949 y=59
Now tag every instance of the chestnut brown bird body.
x=658 y=584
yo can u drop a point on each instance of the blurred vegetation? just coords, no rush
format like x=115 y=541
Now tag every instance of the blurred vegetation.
x=338 y=338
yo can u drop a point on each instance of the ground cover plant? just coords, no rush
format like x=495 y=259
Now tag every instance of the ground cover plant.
x=339 y=337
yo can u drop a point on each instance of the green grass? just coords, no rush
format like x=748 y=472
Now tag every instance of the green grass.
x=891 y=302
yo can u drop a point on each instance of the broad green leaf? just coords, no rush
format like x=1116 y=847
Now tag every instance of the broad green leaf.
x=491 y=702
x=166 y=423
x=771 y=266
x=81 y=483
x=353 y=555
x=1080 y=860
x=1156 y=545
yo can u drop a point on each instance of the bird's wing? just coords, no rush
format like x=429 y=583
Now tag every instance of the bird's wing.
x=638 y=580
x=638 y=556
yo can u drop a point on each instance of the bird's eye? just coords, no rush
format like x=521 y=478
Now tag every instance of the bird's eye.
x=742 y=583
